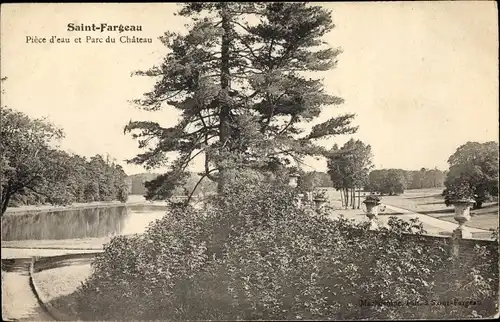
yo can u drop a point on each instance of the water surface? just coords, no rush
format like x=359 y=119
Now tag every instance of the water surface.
x=80 y=223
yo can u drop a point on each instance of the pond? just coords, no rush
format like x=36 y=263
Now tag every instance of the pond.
x=80 y=223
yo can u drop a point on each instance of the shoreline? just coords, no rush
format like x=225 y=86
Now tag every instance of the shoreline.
x=77 y=206
x=79 y=243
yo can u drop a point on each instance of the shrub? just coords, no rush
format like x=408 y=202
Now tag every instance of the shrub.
x=458 y=192
x=254 y=255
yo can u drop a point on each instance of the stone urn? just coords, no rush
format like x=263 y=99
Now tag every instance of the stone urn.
x=319 y=202
x=372 y=207
x=294 y=180
x=462 y=216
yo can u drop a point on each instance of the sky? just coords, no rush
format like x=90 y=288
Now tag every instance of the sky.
x=422 y=77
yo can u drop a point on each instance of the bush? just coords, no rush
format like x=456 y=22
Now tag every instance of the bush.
x=255 y=255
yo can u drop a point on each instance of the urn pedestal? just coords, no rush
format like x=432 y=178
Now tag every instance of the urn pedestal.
x=299 y=199
x=372 y=208
x=462 y=216
x=294 y=180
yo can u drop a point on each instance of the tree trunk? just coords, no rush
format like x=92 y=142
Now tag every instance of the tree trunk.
x=225 y=108
x=359 y=198
x=5 y=200
x=346 y=194
x=353 y=194
x=342 y=198
x=350 y=195
x=349 y=199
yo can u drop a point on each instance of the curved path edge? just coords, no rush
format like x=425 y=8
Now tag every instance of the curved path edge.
x=34 y=288
x=55 y=313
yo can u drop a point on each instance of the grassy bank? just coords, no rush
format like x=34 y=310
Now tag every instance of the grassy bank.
x=82 y=243
x=10 y=253
x=132 y=200
x=61 y=281
x=57 y=286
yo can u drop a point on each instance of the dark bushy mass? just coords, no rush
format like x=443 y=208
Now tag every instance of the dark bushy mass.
x=254 y=255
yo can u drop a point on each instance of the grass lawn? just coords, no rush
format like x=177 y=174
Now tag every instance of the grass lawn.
x=430 y=202
x=61 y=281
x=57 y=285
x=338 y=209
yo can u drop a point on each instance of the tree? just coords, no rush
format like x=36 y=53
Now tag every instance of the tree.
x=425 y=178
x=473 y=168
x=394 y=182
x=434 y=178
x=79 y=177
x=376 y=180
x=241 y=91
x=119 y=182
x=29 y=163
x=34 y=170
x=308 y=181
x=418 y=179
x=349 y=167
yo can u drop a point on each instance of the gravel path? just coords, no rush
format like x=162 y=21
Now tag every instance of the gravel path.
x=18 y=300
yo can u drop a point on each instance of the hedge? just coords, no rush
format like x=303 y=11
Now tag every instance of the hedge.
x=255 y=255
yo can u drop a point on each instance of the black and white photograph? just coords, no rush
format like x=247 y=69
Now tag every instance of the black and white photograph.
x=241 y=161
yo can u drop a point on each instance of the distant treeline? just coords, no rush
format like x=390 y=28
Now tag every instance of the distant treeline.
x=136 y=182
x=386 y=181
x=308 y=181
x=35 y=171
x=136 y=185
x=396 y=181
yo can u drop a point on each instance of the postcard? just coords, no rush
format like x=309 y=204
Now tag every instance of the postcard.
x=249 y=161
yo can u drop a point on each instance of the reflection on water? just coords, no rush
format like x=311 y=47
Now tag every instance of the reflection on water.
x=80 y=223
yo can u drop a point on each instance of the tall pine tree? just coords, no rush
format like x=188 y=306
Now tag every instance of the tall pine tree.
x=238 y=78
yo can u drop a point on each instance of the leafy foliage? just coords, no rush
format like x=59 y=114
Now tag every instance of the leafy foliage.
x=425 y=178
x=349 y=167
x=473 y=172
x=254 y=255
x=388 y=181
x=28 y=156
x=373 y=198
x=309 y=181
x=394 y=183
x=241 y=91
x=34 y=171
x=400 y=180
